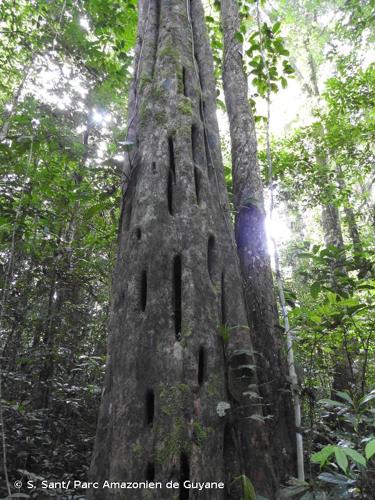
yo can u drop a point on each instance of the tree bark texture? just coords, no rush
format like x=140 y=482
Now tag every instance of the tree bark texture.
x=252 y=249
x=176 y=281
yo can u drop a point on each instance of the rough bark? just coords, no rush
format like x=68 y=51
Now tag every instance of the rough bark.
x=176 y=281
x=252 y=249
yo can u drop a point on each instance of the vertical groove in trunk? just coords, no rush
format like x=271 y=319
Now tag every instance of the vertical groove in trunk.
x=173 y=431
x=177 y=293
x=253 y=254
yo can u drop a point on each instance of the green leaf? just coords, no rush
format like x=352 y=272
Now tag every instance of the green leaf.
x=341 y=458
x=354 y=455
x=224 y=333
x=367 y=398
x=370 y=449
x=331 y=402
x=345 y=395
x=284 y=82
x=276 y=27
x=248 y=488
x=239 y=37
x=315 y=289
x=323 y=455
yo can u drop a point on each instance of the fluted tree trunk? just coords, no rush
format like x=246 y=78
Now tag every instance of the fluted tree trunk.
x=176 y=281
x=252 y=249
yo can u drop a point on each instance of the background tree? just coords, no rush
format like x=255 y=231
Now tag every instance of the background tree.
x=248 y=202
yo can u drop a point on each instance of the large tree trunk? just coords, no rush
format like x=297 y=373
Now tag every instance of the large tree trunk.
x=176 y=281
x=252 y=249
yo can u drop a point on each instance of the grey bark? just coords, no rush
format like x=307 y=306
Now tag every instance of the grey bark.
x=176 y=281
x=252 y=250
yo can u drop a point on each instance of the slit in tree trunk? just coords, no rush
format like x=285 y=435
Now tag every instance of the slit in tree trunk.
x=143 y=290
x=150 y=407
x=150 y=471
x=211 y=258
x=197 y=181
x=201 y=365
x=177 y=295
x=184 y=476
x=170 y=192
x=184 y=81
x=172 y=164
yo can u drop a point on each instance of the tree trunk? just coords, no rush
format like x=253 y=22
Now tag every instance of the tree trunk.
x=252 y=250
x=343 y=372
x=176 y=281
x=342 y=376
x=363 y=265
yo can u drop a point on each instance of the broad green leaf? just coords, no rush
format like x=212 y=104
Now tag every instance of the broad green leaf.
x=367 y=398
x=341 y=458
x=276 y=27
x=247 y=486
x=370 y=449
x=354 y=455
x=323 y=455
x=346 y=396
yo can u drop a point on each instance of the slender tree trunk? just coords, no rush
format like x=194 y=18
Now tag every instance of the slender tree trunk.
x=43 y=384
x=363 y=265
x=169 y=374
x=343 y=369
x=343 y=374
x=252 y=250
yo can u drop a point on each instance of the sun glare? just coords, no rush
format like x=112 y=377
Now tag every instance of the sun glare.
x=277 y=229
